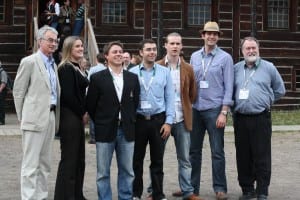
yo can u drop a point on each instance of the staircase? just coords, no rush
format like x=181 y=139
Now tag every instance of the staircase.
x=12 y=50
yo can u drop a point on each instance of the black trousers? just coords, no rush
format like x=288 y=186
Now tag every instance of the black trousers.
x=2 y=105
x=70 y=174
x=253 y=151
x=149 y=131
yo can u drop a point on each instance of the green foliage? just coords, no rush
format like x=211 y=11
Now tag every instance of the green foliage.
x=286 y=117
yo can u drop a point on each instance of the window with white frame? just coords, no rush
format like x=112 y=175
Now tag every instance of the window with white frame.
x=199 y=11
x=278 y=14
x=114 y=11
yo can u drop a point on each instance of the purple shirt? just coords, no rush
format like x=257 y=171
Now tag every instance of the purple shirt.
x=219 y=75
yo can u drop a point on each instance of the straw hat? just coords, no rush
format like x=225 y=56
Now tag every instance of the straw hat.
x=211 y=26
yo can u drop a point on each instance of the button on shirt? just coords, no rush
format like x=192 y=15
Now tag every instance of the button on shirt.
x=49 y=64
x=118 y=83
x=219 y=75
x=265 y=86
x=175 y=74
x=159 y=92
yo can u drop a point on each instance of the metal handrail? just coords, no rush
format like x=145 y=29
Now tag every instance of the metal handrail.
x=35 y=31
x=91 y=43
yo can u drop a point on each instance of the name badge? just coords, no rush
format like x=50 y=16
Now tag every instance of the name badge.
x=145 y=105
x=244 y=94
x=204 y=84
x=67 y=20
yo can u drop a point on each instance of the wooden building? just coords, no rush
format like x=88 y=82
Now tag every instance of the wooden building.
x=276 y=23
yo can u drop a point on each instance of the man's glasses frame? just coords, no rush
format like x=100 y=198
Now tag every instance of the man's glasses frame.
x=51 y=40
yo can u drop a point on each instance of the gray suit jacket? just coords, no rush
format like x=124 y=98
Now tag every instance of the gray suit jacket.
x=32 y=94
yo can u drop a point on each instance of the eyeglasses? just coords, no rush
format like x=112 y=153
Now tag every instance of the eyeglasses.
x=51 y=40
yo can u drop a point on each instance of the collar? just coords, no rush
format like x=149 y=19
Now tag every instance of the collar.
x=256 y=65
x=142 y=67
x=114 y=74
x=213 y=52
x=45 y=58
x=167 y=61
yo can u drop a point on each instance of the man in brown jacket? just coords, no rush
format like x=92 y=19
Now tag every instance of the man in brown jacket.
x=185 y=93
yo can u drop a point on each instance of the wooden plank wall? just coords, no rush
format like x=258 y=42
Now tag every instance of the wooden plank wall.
x=13 y=37
x=13 y=42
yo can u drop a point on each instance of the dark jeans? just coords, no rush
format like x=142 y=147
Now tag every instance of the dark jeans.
x=2 y=106
x=149 y=131
x=77 y=27
x=205 y=121
x=70 y=174
x=253 y=151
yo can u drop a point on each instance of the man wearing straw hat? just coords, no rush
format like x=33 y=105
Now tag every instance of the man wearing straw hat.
x=214 y=75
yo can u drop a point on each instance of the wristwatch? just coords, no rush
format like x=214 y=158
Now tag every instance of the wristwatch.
x=224 y=112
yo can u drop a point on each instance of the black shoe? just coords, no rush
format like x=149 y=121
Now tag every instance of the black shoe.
x=2 y=123
x=248 y=195
x=262 y=197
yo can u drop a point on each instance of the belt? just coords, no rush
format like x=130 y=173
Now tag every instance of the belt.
x=266 y=111
x=150 y=117
x=52 y=107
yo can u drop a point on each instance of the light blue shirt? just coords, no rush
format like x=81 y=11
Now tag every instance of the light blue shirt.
x=49 y=64
x=265 y=86
x=97 y=68
x=158 y=93
x=219 y=75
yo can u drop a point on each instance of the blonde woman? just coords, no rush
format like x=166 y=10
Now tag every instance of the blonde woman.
x=70 y=175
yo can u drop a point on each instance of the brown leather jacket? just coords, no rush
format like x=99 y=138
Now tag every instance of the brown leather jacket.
x=187 y=89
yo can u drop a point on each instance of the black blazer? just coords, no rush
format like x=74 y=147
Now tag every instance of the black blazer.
x=73 y=88
x=103 y=105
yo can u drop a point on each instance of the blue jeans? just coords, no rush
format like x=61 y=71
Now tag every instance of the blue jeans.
x=202 y=121
x=124 y=155
x=182 y=141
x=77 y=27
x=54 y=25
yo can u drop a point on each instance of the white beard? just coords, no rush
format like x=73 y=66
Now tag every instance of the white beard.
x=251 y=59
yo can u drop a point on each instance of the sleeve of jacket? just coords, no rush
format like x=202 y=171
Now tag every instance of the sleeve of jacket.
x=68 y=85
x=21 y=84
x=92 y=97
x=193 y=87
x=136 y=91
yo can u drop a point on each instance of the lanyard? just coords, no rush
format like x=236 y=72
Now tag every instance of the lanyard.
x=151 y=80
x=205 y=68
x=247 y=80
x=67 y=11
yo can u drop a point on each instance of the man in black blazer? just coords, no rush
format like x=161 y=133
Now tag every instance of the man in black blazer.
x=112 y=100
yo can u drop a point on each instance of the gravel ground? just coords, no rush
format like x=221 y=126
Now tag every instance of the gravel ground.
x=285 y=183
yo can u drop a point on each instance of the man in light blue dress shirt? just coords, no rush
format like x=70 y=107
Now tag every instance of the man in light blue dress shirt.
x=154 y=119
x=213 y=70
x=257 y=86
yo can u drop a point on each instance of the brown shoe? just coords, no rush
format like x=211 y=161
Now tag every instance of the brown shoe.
x=177 y=194
x=221 y=196
x=193 y=197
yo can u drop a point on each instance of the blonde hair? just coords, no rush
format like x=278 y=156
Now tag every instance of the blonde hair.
x=67 y=49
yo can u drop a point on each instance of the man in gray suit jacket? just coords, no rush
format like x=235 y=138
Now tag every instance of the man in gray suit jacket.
x=36 y=96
